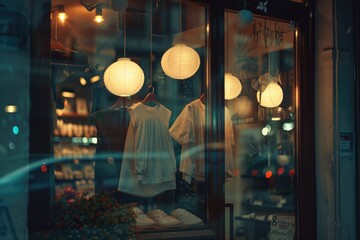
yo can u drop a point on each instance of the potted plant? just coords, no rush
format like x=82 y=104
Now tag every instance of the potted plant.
x=90 y=217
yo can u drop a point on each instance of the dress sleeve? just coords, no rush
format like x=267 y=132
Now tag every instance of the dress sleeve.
x=182 y=129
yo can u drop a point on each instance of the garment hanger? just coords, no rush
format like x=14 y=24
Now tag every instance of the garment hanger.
x=151 y=97
x=202 y=98
x=120 y=103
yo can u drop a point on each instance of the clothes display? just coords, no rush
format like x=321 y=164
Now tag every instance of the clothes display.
x=189 y=131
x=148 y=166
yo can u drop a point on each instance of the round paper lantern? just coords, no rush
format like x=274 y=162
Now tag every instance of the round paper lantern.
x=124 y=77
x=180 y=62
x=272 y=96
x=232 y=86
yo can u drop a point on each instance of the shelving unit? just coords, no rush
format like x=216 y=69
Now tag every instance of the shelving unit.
x=74 y=149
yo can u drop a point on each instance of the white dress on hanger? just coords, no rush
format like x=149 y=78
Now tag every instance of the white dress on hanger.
x=189 y=131
x=149 y=165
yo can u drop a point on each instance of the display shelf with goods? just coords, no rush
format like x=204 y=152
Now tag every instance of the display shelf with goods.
x=74 y=150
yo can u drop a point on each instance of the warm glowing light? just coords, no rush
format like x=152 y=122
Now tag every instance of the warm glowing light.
x=271 y=97
x=95 y=79
x=292 y=172
x=10 y=108
x=67 y=94
x=98 y=15
x=180 y=62
x=280 y=171
x=232 y=86
x=124 y=78
x=275 y=118
x=62 y=17
x=98 y=19
x=82 y=81
x=268 y=174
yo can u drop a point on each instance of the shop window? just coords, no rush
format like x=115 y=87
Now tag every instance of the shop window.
x=137 y=140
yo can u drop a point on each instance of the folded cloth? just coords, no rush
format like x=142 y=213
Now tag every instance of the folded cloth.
x=185 y=217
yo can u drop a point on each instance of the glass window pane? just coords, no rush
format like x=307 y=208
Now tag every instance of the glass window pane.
x=262 y=191
x=130 y=121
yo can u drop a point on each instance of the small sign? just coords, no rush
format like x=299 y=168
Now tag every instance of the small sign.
x=346 y=144
x=282 y=227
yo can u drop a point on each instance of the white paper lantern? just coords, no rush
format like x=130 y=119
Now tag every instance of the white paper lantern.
x=124 y=77
x=272 y=96
x=232 y=86
x=180 y=62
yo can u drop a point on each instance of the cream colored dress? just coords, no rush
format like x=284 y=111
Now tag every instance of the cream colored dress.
x=189 y=131
x=148 y=167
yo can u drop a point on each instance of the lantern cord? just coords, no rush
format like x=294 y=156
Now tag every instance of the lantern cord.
x=226 y=42
x=124 y=22
x=180 y=25
x=150 y=83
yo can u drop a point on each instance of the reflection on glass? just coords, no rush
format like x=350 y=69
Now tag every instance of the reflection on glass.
x=143 y=146
x=261 y=55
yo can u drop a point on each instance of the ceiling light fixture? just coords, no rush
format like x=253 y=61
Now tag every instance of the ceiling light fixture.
x=98 y=15
x=61 y=14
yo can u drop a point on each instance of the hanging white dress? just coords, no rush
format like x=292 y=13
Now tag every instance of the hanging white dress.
x=189 y=131
x=148 y=167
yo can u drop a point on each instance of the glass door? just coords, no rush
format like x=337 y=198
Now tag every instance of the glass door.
x=260 y=134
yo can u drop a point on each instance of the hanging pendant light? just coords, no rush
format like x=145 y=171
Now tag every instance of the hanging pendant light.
x=232 y=86
x=271 y=97
x=180 y=62
x=98 y=15
x=245 y=17
x=124 y=77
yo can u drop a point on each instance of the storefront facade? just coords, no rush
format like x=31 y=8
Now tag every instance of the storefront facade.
x=216 y=144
